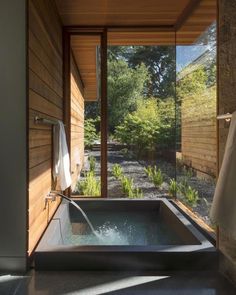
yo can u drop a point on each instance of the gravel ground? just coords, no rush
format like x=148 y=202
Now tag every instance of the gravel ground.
x=135 y=169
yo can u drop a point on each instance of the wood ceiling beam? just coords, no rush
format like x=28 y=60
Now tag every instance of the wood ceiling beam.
x=188 y=10
x=96 y=29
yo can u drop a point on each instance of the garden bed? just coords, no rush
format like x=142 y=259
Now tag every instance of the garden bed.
x=135 y=169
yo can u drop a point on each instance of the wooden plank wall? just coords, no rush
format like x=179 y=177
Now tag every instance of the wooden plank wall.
x=198 y=132
x=77 y=123
x=46 y=100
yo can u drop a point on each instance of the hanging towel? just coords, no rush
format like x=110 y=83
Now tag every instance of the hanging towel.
x=223 y=210
x=61 y=165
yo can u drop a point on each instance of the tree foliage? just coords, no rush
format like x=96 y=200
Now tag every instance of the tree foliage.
x=167 y=123
x=150 y=127
x=90 y=131
x=194 y=82
x=160 y=62
x=125 y=86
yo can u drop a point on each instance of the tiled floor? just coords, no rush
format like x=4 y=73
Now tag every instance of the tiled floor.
x=70 y=283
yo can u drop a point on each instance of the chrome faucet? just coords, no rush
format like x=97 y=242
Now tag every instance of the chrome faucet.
x=50 y=197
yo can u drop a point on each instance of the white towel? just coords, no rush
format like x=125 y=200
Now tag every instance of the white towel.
x=61 y=163
x=223 y=210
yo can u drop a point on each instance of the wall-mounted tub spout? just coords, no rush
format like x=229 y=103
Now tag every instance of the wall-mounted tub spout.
x=52 y=196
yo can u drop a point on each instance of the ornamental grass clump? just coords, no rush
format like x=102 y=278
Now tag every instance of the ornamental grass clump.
x=191 y=196
x=173 y=188
x=89 y=186
x=127 y=186
x=155 y=175
x=183 y=186
x=148 y=171
x=129 y=189
x=137 y=192
x=117 y=171
x=92 y=164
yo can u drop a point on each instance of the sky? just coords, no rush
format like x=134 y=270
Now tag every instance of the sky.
x=186 y=54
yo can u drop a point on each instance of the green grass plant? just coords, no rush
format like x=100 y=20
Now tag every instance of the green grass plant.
x=191 y=196
x=117 y=171
x=89 y=186
x=155 y=175
x=92 y=163
x=173 y=188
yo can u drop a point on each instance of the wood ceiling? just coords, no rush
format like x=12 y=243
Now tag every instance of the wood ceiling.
x=120 y=12
x=84 y=49
x=161 y=22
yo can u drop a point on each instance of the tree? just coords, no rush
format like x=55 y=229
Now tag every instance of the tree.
x=160 y=62
x=92 y=109
x=125 y=86
x=118 y=52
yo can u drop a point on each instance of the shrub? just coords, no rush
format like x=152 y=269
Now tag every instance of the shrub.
x=89 y=186
x=90 y=132
x=173 y=188
x=92 y=164
x=152 y=125
x=141 y=135
x=117 y=171
x=139 y=129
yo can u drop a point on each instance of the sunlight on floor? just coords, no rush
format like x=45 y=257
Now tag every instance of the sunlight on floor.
x=119 y=284
x=8 y=278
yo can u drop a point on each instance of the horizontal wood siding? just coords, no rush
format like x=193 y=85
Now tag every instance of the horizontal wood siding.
x=45 y=100
x=77 y=123
x=198 y=132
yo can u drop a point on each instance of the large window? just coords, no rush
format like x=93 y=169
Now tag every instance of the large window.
x=141 y=120
x=159 y=118
x=197 y=104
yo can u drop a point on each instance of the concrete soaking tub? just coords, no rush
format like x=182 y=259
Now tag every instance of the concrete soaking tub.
x=134 y=235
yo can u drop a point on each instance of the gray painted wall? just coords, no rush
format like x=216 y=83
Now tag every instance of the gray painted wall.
x=13 y=148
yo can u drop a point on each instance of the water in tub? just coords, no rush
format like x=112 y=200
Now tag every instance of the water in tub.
x=119 y=228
